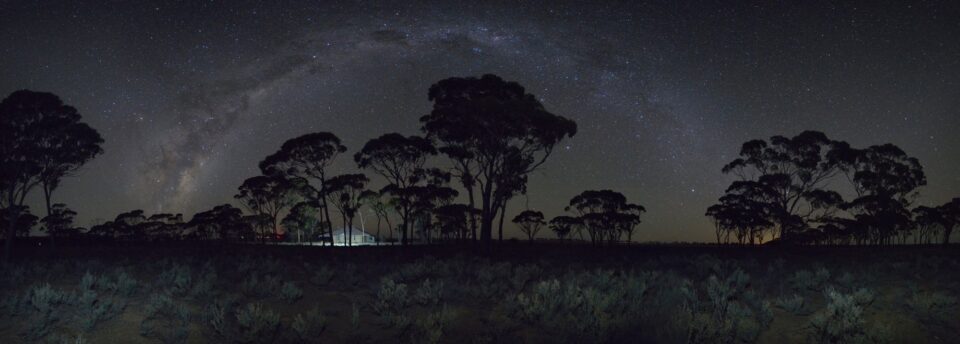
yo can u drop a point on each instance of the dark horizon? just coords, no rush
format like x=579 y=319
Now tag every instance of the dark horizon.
x=189 y=97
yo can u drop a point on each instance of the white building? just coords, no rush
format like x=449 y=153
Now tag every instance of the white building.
x=358 y=238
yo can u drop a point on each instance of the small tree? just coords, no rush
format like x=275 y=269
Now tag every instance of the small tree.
x=304 y=219
x=270 y=195
x=59 y=223
x=530 y=223
x=344 y=192
x=564 y=225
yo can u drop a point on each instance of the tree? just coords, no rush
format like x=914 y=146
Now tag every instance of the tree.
x=950 y=218
x=486 y=124
x=454 y=220
x=344 y=192
x=564 y=225
x=381 y=208
x=59 y=223
x=400 y=160
x=304 y=219
x=43 y=140
x=885 y=180
x=225 y=221
x=530 y=222
x=270 y=195
x=606 y=214
x=794 y=170
x=25 y=221
x=308 y=157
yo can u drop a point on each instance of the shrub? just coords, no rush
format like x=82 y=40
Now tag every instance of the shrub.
x=523 y=274
x=932 y=306
x=93 y=309
x=260 y=287
x=176 y=280
x=391 y=298
x=804 y=280
x=309 y=326
x=793 y=304
x=429 y=293
x=44 y=306
x=290 y=292
x=256 y=324
x=165 y=320
x=322 y=276
x=842 y=321
x=429 y=329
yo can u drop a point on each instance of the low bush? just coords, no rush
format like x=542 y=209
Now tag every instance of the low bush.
x=165 y=319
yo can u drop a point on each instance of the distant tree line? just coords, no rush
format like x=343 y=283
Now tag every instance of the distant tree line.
x=793 y=190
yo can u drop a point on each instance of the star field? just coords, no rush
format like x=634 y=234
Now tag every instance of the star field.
x=190 y=96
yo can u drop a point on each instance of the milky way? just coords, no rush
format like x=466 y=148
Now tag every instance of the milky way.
x=189 y=97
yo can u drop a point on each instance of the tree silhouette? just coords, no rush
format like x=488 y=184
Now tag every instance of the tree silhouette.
x=606 y=214
x=59 y=223
x=225 y=220
x=793 y=170
x=400 y=160
x=308 y=157
x=950 y=218
x=455 y=220
x=484 y=124
x=381 y=208
x=23 y=221
x=270 y=195
x=885 y=180
x=565 y=225
x=530 y=223
x=42 y=141
x=304 y=219
x=344 y=192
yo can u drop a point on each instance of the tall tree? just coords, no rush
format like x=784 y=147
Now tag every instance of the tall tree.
x=42 y=138
x=225 y=221
x=483 y=125
x=344 y=192
x=400 y=160
x=794 y=170
x=530 y=223
x=886 y=182
x=308 y=157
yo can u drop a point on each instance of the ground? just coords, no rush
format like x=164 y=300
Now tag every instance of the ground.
x=514 y=292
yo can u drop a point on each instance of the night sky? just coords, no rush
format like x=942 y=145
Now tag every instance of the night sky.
x=190 y=96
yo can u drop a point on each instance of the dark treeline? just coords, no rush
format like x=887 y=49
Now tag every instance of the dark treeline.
x=782 y=193
x=479 y=144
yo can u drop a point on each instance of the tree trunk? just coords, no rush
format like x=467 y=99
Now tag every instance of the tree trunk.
x=503 y=213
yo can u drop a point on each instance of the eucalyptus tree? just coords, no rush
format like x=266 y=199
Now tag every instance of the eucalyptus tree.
x=606 y=214
x=564 y=225
x=929 y=221
x=886 y=182
x=43 y=140
x=400 y=160
x=270 y=195
x=304 y=218
x=485 y=124
x=795 y=171
x=308 y=157
x=59 y=223
x=381 y=207
x=950 y=218
x=530 y=223
x=344 y=192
